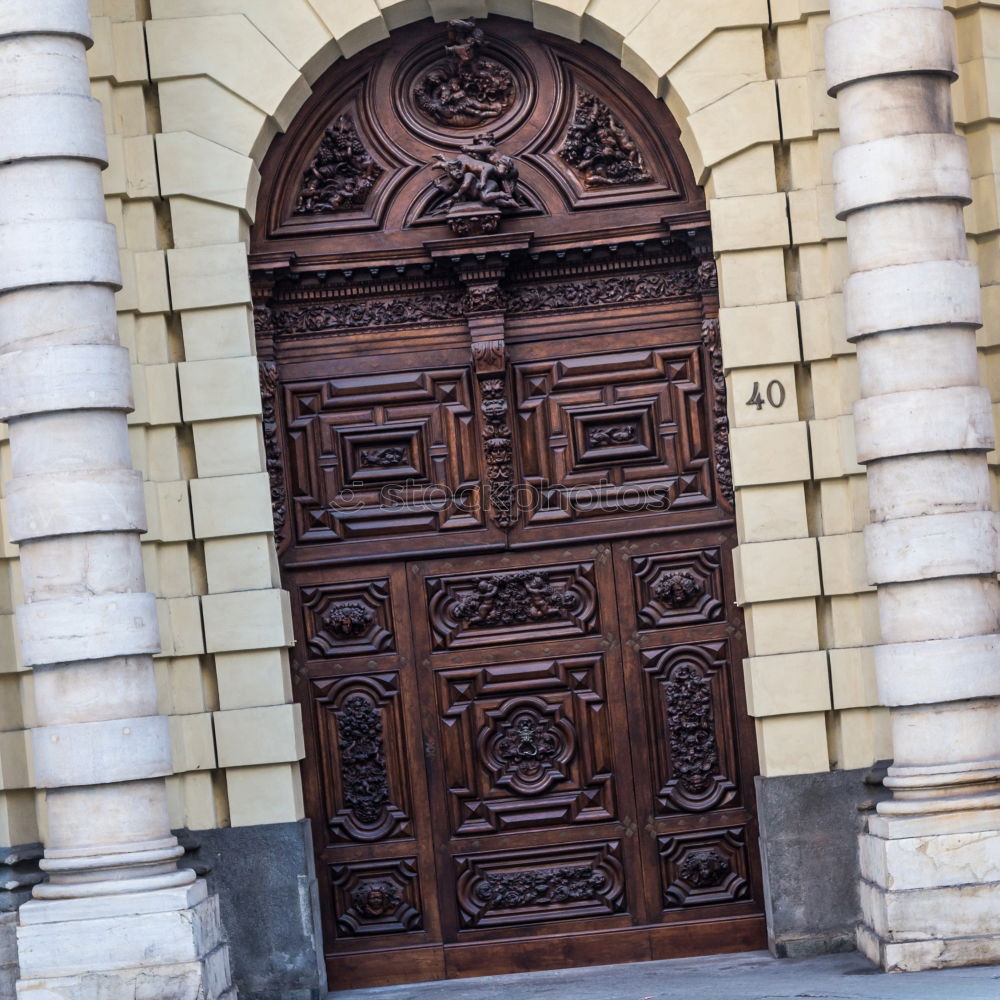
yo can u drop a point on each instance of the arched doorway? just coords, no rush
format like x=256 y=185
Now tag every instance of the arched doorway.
x=496 y=429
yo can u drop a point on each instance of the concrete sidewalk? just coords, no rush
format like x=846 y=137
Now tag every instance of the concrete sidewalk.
x=750 y=976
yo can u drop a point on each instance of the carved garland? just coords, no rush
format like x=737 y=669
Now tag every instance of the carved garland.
x=268 y=372
x=544 y=886
x=513 y=599
x=362 y=759
x=720 y=419
x=694 y=752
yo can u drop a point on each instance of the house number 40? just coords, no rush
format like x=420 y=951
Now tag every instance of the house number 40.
x=773 y=394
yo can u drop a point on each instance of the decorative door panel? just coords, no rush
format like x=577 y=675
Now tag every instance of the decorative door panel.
x=495 y=425
x=384 y=458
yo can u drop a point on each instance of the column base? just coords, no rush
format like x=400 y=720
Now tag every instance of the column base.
x=930 y=890
x=164 y=945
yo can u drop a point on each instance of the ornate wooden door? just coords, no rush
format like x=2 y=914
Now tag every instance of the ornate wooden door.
x=496 y=430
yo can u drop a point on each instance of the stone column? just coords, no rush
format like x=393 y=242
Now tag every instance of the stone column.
x=116 y=910
x=931 y=854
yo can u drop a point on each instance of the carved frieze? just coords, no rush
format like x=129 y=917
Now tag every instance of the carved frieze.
x=513 y=599
x=341 y=174
x=720 y=419
x=617 y=289
x=544 y=886
x=466 y=88
x=600 y=148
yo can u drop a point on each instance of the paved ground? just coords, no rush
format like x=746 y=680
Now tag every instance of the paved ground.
x=753 y=976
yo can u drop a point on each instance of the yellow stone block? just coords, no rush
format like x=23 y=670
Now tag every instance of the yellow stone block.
x=208 y=276
x=250 y=619
x=750 y=222
x=843 y=505
x=859 y=737
x=787 y=684
x=833 y=448
x=607 y=22
x=228 y=447
x=18 y=817
x=269 y=794
x=226 y=332
x=792 y=744
x=219 y=389
x=192 y=743
x=180 y=626
x=192 y=165
x=721 y=64
x=561 y=17
x=749 y=172
x=741 y=119
x=243 y=562
x=853 y=620
x=842 y=561
x=162 y=398
x=196 y=223
x=184 y=685
x=852 y=677
x=231 y=505
x=356 y=24
x=752 y=277
x=759 y=335
x=253 y=677
x=129 y=41
x=762 y=395
x=776 y=571
x=769 y=513
x=271 y=734
x=774 y=453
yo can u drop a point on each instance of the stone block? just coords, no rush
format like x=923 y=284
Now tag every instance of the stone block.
x=607 y=22
x=270 y=734
x=208 y=276
x=231 y=505
x=852 y=677
x=253 y=677
x=785 y=626
x=228 y=447
x=356 y=24
x=770 y=513
x=842 y=562
x=741 y=119
x=252 y=619
x=242 y=562
x=774 y=453
x=195 y=223
x=561 y=17
x=195 y=166
x=210 y=334
x=752 y=277
x=762 y=395
x=192 y=743
x=219 y=389
x=749 y=172
x=787 y=683
x=833 y=449
x=858 y=737
x=271 y=793
x=759 y=335
x=792 y=744
x=750 y=222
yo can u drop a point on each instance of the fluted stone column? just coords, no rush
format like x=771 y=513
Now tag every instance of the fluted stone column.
x=116 y=910
x=931 y=854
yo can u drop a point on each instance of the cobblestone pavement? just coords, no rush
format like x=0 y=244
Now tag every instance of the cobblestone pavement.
x=752 y=976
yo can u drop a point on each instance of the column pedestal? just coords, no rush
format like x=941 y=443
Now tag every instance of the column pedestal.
x=102 y=948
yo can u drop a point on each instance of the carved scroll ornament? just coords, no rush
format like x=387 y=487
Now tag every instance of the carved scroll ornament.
x=600 y=147
x=466 y=88
x=341 y=174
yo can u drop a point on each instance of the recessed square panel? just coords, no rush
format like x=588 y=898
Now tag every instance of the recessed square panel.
x=383 y=455
x=703 y=867
x=608 y=434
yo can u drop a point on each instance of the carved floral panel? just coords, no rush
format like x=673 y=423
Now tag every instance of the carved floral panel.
x=363 y=756
x=376 y=897
x=704 y=867
x=535 y=885
x=526 y=744
x=488 y=608
x=687 y=705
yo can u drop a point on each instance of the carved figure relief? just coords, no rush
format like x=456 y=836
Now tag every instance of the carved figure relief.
x=600 y=147
x=476 y=187
x=349 y=620
x=704 y=869
x=543 y=886
x=677 y=590
x=380 y=897
x=341 y=174
x=362 y=759
x=694 y=752
x=513 y=599
x=466 y=88
x=375 y=898
x=382 y=457
x=610 y=435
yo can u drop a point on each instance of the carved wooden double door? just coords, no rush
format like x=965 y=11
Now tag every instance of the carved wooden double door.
x=495 y=419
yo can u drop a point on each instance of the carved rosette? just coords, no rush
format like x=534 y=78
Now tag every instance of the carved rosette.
x=526 y=746
x=341 y=174
x=720 y=419
x=268 y=372
x=600 y=148
x=513 y=599
x=465 y=88
x=694 y=753
x=362 y=759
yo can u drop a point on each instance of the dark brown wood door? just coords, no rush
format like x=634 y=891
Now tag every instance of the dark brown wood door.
x=495 y=420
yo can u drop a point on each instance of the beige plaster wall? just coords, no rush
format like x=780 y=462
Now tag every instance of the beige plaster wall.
x=193 y=97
